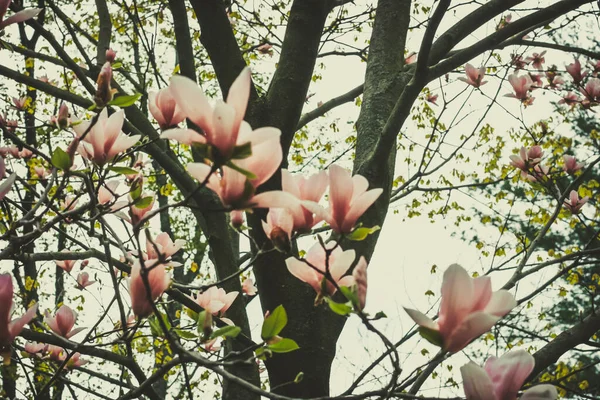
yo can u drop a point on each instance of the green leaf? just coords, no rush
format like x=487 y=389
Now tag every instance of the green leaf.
x=136 y=189
x=125 y=101
x=432 y=336
x=283 y=346
x=299 y=377
x=92 y=107
x=202 y=150
x=117 y=65
x=379 y=315
x=144 y=202
x=226 y=331
x=60 y=159
x=361 y=233
x=350 y=295
x=243 y=151
x=185 y=334
x=155 y=326
x=124 y=170
x=274 y=323
x=242 y=171
x=339 y=308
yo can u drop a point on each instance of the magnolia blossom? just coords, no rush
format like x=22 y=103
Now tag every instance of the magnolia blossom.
x=158 y=281
x=521 y=85
x=236 y=219
x=502 y=378
x=138 y=212
x=215 y=300
x=527 y=158
x=105 y=139
x=62 y=323
x=537 y=60
x=83 y=280
x=110 y=55
x=304 y=189
x=104 y=92
x=518 y=61
x=504 y=21
x=164 y=109
x=278 y=228
x=248 y=287
x=592 y=90
x=348 y=199
x=474 y=76
x=69 y=203
x=574 y=69
x=360 y=280
x=265 y=48
x=35 y=348
x=19 y=103
x=569 y=99
x=410 y=58
x=539 y=173
x=62 y=120
x=66 y=265
x=571 y=165
x=554 y=80
x=41 y=172
x=574 y=204
x=468 y=309
x=21 y=16
x=223 y=126
x=432 y=98
x=11 y=329
x=107 y=192
x=163 y=246
x=74 y=361
x=316 y=263
x=7 y=185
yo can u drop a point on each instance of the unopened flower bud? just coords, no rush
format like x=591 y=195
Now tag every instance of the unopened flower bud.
x=111 y=55
x=104 y=93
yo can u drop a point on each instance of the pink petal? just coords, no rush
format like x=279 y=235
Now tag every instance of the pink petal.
x=274 y=199
x=265 y=160
x=341 y=264
x=457 y=294
x=482 y=293
x=421 y=319
x=238 y=95
x=303 y=272
x=500 y=303
x=470 y=328
x=509 y=372
x=540 y=392
x=184 y=136
x=228 y=300
x=476 y=383
x=112 y=130
x=224 y=136
x=16 y=326
x=192 y=101
x=21 y=16
x=340 y=193
x=359 y=207
x=7 y=185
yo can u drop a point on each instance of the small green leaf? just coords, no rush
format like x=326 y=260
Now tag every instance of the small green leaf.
x=274 y=323
x=92 y=107
x=283 y=346
x=144 y=202
x=432 y=336
x=124 y=170
x=350 y=295
x=185 y=334
x=60 y=159
x=125 y=101
x=117 y=65
x=339 y=308
x=243 y=151
x=136 y=189
x=154 y=326
x=379 y=315
x=226 y=331
x=242 y=171
x=361 y=233
x=299 y=377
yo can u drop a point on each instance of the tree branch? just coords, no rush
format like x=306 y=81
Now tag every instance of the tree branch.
x=329 y=105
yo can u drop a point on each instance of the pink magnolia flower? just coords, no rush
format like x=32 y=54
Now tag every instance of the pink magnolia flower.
x=410 y=58
x=7 y=185
x=313 y=270
x=83 y=280
x=137 y=212
x=537 y=59
x=360 y=281
x=304 y=189
x=432 y=98
x=62 y=120
x=504 y=21
x=570 y=99
x=237 y=219
x=521 y=85
x=518 y=61
x=574 y=204
x=527 y=158
x=69 y=203
x=21 y=16
x=571 y=165
x=104 y=92
x=502 y=378
x=248 y=287
x=539 y=173
x=574 y=69
x=278 y=228
x=223 y=126
x=474 y=76
x=554 y=80
x=265 y=48
x=111 y=55
x=164 y=109
x=348 y=199
x=164 y=246
x=468 y=309
x=537 y=81
x=158 y=281
x=107 y=192
x=74 y=361
x=35 y=348
x=9 y=330
x=215 y=300
x=66 y=265
x=105 y=139
x=25 y=153
x=62 y=323
x=19 y=103
x=41 y=172
x=592 y=90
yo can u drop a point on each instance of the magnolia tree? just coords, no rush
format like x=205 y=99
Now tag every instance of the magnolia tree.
x=138 y=204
